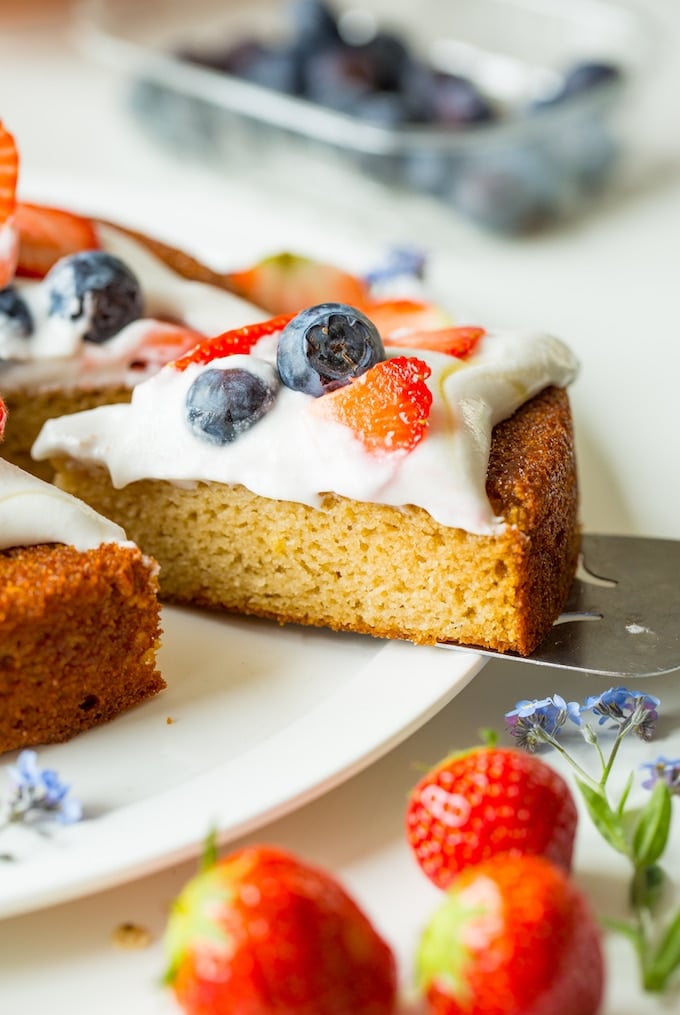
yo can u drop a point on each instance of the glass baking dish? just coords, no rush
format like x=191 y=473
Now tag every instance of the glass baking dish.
x=524 y=170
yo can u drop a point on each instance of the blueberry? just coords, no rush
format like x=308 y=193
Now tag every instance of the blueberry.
x=446 y=100
x=582 y=77
x=275 y=67
x=587 y=151
x=314 y=25
x=387 y=56
x=221 y=404
x=96 y=290
x=338 y=77
x=512 y=191
x=15 y=317
x=326 y=346
x=457 y=101
x=346 y=76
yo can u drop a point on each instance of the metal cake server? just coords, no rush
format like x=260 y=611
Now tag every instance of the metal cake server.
x=622 y=618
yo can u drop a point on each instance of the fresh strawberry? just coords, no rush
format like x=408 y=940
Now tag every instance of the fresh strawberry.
x=3 y=418
x=287 y=283
x=456 y=341
x=262 y=933
x=398 y=315
x=387 y=407
x=48 y=234
x=485 y=801
x=9 y=170
x=230 y=343
x=163 y=340
x=514 y=936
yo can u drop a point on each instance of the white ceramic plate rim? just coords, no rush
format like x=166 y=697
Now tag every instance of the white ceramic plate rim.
x=381 y=703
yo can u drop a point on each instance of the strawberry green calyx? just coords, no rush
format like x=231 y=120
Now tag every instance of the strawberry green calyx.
x=209 y=854
x=193 y=924
x=443 y=955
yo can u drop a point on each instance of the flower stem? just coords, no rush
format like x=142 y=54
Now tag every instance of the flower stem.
x=583 y=775
x=606 y=772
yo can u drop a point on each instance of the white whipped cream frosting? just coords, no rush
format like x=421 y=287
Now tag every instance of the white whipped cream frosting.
x=33 y=512
x=55 y=355
x=292 y=454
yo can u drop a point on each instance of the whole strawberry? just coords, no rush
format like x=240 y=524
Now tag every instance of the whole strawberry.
x=262 y=933
x=485 y=801
x=513 y=937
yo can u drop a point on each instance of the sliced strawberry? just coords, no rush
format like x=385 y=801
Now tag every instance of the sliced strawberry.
x=387 y=407
x=230 y=343
x=390 y=316
x=287 y=283
x=48 y=234
x=3 y=417
x=163 y=341
x=458 y=341
x=9 y=171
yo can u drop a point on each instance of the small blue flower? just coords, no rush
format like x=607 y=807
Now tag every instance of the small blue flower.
x=626 y=710
x=400 y=261
x=532 y=722
x=663 y=770
x=39 y=794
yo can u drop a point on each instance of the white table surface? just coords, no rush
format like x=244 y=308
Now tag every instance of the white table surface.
x=609 y=285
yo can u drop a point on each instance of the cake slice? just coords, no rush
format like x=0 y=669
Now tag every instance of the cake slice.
x=89 y=309
x=419 y=484
x=79 y=615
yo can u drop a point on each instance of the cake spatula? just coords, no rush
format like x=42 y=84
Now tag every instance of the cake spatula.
x=622 y=618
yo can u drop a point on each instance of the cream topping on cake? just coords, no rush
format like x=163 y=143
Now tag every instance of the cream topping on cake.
x=292 y=454
x=55 y=355
x=33 y=512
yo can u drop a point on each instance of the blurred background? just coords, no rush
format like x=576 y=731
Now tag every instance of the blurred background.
x=514 y=115
x=530 y=147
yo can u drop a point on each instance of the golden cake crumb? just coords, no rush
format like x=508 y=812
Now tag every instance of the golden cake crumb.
x=131 y=936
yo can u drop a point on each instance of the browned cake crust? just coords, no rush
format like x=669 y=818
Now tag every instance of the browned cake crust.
x=385 y=571
x=78 y=639
x=181 y=262
x=29 y=409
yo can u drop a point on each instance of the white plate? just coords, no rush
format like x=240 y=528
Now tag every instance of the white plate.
x=264 y=719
